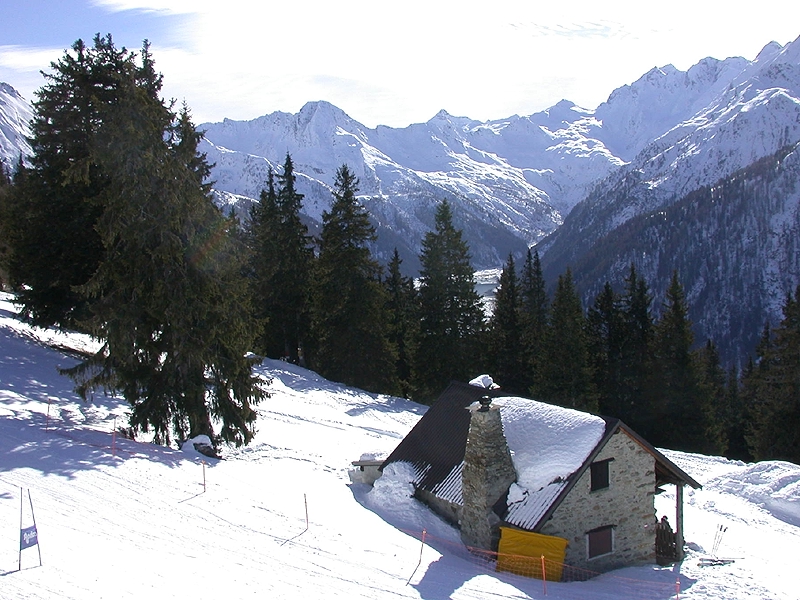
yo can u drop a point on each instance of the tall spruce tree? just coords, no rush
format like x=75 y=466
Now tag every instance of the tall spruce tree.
x=166 y=298
x=504 y=338
x=5 y=249
x=533 y=317
x=350 y=318
x=265 y=257
x=774 y=387
x=637 y=385
x=564 y=377
x=606 y=338
x=737 y=417
x=403 y=322
x=713 y=397
x=54 y=210
x=451 y=316
x=680 y=408
x=283 y=264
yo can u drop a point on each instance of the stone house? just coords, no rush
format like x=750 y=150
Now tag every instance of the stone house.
x=490 y=463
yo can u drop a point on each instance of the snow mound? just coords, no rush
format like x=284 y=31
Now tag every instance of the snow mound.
x=773 y=485
x=484 y=381
x=392 y=497
x=199 y=446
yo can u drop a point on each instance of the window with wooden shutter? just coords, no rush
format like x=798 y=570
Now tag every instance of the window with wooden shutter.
x=600 y=541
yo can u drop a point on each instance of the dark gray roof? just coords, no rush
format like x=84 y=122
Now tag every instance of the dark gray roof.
x=436 y=444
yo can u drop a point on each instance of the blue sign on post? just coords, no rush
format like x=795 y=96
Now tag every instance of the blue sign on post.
x=28 y=537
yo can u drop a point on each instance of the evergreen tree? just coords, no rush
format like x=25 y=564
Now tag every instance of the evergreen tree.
x=606 y=338
x=167 y=299
x=451 y=317
x=350 y=318
x=533 y=317
x=714 y=398
x=564 y=377
x=403 y=320
x=283 y=260
x=774 y=387
x=681 y=414
x=5 y=249
x=54 y=210
x=504 y=340
x=637 y=386
x=737 y=417
x=264 y=258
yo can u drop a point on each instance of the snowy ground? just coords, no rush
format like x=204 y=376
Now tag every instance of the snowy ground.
x=123 y=519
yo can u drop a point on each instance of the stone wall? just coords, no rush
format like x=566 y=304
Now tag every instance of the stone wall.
x=627 y=505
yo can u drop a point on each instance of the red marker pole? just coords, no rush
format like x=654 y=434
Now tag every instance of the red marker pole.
x=544 y=577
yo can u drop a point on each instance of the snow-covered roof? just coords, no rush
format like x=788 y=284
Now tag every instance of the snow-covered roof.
x=548 y=444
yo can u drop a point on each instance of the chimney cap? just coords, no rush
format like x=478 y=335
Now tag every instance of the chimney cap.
x=485 y=402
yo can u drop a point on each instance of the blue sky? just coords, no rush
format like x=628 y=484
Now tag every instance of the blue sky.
x=47 y=23
x=388 y=62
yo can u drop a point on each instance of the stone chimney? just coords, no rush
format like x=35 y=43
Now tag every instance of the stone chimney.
x=486 y=476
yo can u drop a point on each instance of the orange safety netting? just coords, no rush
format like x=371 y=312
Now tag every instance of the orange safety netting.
x=527 y=553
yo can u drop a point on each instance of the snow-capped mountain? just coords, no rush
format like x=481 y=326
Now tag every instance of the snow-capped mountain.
x=754 y=116
x=502 y=204
x=513 y=180
x=15 y=116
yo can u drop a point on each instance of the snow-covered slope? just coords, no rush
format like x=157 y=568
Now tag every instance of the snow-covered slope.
x=15 y=114
x=125 y=519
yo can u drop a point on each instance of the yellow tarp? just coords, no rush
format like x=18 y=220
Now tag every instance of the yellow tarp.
x=521 y=552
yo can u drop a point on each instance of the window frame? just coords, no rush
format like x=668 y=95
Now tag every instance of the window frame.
x=600 y=479
x=595 y=534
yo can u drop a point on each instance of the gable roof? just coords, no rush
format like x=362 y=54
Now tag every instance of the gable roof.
x=551 y=448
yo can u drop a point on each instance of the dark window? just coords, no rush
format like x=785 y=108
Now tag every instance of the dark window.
x=600 y=541
x=600 y=479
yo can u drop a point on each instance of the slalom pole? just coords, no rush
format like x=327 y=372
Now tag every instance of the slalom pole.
x=421 y=548
x=114 y=439
x=204 y=475
x=305 y=500
x=38 y=546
